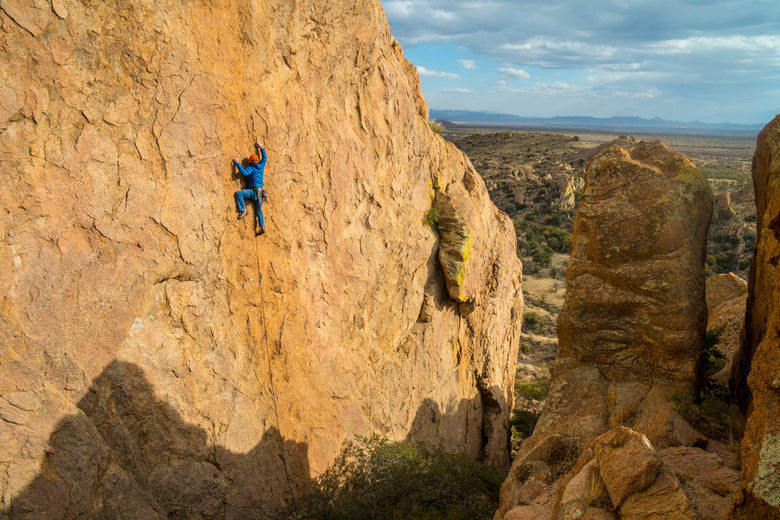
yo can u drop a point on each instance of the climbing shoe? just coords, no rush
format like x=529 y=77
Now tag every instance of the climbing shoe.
x=241 y=214
x=260 y=232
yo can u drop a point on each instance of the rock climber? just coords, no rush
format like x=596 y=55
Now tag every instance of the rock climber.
x=254 y=190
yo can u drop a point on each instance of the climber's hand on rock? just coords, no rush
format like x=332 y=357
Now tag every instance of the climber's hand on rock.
x=258 y=145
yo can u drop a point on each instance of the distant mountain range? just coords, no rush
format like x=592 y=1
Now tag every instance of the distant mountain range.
x=585 y=122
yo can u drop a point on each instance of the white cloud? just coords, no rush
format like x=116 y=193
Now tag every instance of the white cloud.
x=509 y=72
x=764 y=45
x=398 y=9
x=426 y=73
x=603 y=77
x=554 y=88
x=545 y=52
x=459 y=90
x=687 y=57
x=443 y=16
x=559 y=33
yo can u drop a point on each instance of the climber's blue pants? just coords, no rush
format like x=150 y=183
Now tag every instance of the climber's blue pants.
x=252 y=195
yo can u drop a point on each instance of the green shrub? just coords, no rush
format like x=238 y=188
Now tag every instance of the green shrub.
x=711 y=413
x=542 y=258
x=523 y=423
x=374 y=479
x=535 y=321
x=533 y=390
x=432 y=219
x=712 y=359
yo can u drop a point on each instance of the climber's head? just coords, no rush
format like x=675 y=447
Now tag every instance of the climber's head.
x=254 y=159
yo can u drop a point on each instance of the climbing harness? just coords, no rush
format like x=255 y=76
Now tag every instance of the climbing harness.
x=271 y=388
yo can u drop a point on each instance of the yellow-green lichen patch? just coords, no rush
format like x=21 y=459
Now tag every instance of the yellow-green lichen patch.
x=767 y=482
x=465 y=252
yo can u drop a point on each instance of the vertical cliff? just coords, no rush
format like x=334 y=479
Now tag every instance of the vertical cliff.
x=144 y=371
x=760 y=361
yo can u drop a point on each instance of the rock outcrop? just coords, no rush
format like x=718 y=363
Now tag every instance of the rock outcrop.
x=726 y=300
x=623 y=475
x=146 y=368
x=632 y=326
x=759 y=364
x=635 y=285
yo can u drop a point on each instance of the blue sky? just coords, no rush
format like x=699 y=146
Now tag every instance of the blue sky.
x=687 y=60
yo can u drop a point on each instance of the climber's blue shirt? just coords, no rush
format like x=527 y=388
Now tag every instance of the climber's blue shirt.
x=254 y=171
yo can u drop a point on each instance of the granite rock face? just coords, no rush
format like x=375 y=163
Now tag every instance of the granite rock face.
x=632 y=325
x=759 y=363
x=145 y=371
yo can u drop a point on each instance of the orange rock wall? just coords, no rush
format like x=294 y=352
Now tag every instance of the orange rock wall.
x=135 y=341
x=760 y=496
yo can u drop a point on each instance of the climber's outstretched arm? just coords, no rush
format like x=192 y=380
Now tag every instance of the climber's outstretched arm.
x=263 y=157
x=241 y=169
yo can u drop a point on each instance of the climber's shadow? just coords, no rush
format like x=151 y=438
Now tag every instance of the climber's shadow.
x=129 y=455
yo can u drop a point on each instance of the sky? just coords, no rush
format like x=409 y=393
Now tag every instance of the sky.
x=713 y=61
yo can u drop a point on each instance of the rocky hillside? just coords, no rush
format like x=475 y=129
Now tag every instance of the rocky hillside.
x=537 y=179
x=158 y=361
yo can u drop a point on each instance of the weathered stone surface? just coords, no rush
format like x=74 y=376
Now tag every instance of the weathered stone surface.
x=708 y=483
x=635 y=281
x=722 y=288
x=32 y=15
x=759 y=363
x=663 y=500
x=582 y=493
x=628 y=463
x=667 y=429
x=726 y=301
x=525 y=513
x=633 y=322
x=138 y=350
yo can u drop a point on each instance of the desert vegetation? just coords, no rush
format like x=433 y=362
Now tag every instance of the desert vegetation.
x=711 y=411
x=375 y=479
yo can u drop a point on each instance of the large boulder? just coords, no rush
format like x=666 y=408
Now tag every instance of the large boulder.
x=159 y=361
x=708 y=482
x=635 y=282
x=756 y=371
x=632 y=326
x=627 y=463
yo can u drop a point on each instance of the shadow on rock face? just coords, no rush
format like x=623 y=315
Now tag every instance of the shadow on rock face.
x=477 y=424
x=129 y=455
